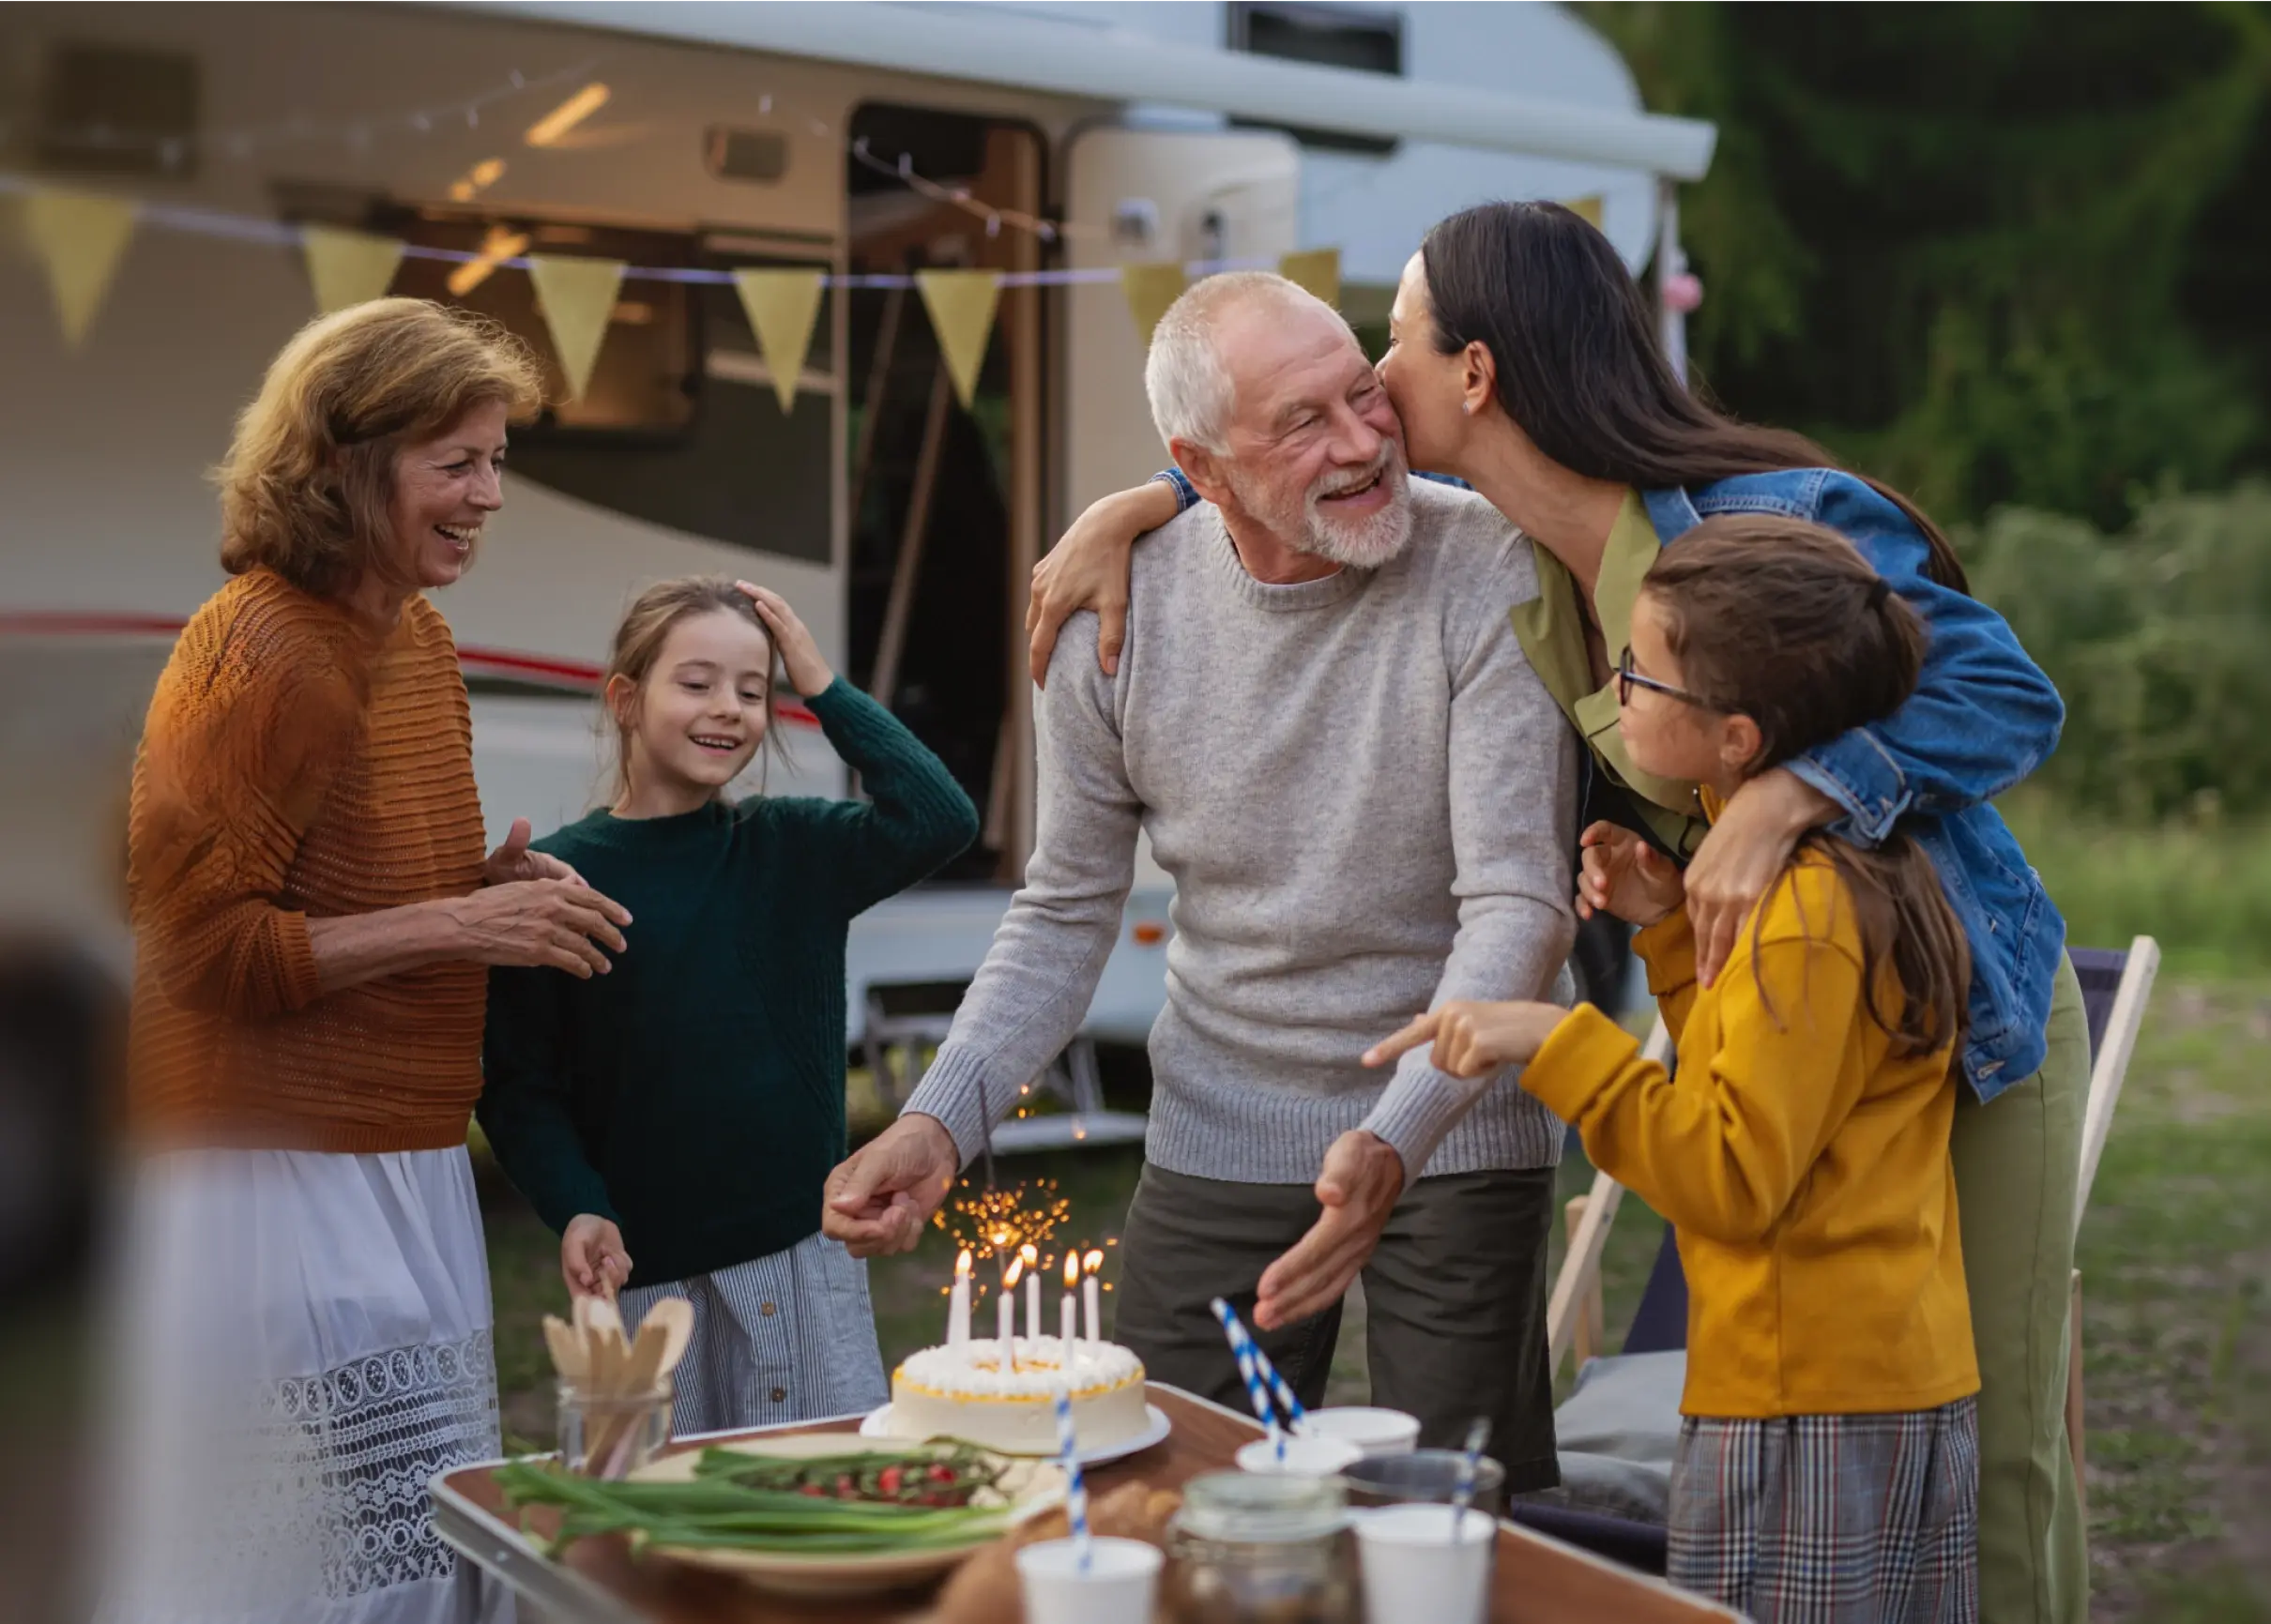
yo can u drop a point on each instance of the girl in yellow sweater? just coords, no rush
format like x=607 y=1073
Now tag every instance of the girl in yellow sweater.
x=1827 y=1467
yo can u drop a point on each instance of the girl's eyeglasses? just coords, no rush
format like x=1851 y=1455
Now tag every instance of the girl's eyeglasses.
x=1629 y=679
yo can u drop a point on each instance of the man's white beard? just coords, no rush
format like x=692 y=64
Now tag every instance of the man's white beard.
x=1361 y=543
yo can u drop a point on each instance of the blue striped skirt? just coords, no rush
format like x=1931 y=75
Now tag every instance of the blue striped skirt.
x=788 y=1337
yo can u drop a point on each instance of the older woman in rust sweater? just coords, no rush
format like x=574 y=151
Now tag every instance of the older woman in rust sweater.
x=309 y=1330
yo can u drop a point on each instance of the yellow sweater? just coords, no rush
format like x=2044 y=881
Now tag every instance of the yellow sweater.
x=1805 y=1168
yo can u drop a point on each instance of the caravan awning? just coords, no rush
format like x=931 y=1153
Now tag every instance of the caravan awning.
x=1036 y=52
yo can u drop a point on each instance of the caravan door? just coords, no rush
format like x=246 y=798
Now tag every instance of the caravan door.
x=1132 y=196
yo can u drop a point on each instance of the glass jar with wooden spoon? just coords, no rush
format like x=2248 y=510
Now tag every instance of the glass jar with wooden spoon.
x=615 y=1392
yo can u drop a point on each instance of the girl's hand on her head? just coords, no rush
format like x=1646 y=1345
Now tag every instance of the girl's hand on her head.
x=1623 y=875
x=1747 y=849
x=808 y=673
x=1473 y=1040
x=1087 y=568
x=592 y=1259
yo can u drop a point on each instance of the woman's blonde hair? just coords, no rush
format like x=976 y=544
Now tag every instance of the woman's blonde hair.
x=646 y=626
x=308 y=481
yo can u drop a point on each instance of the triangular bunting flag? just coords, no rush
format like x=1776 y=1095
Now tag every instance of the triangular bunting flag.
x=1585 y=208
x=1317 y=269
x=961 y=303
x=577 y=297
x=80 y=238
x=348 y=267
x=781 y=307
x=1151 y=289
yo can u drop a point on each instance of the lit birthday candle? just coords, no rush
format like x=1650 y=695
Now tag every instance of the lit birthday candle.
x=1029 y=1256
x=1066 y=1308
x=958 y=1303
x=1089 y=1265
x=1005 y=1314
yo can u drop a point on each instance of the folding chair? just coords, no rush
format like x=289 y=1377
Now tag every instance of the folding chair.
x=2115 y=987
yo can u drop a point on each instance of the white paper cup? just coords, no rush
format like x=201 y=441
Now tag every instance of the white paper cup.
x=1376 y=1432
x=1412 y=1567
x=1305 y=1457
x=1120 y=1588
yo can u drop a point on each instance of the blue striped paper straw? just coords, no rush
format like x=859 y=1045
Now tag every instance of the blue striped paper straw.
x=1297 y=1419
x=1076 y=1488
x=1469 y=1464
x=1247 y=1355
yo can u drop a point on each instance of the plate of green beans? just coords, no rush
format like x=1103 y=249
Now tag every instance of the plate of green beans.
x=805 y=1514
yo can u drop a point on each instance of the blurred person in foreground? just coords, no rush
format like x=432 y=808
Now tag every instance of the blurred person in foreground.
x=307 y=1317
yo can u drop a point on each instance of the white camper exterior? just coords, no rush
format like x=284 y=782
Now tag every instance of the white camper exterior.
x=903 y=531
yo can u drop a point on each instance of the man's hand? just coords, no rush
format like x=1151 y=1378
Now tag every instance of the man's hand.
x=877 y=1202
x=1473 y=1040
x=592 y=1259
x=1746 y=850
x=1362 y=1181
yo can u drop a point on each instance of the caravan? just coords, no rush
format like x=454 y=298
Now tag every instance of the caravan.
x=1051 y=143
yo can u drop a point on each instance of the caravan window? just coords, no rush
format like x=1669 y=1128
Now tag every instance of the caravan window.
x=679 y=426
x=646 y=378
x=1362 y=38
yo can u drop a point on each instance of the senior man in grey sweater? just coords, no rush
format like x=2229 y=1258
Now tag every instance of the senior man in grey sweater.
x=1368 y=803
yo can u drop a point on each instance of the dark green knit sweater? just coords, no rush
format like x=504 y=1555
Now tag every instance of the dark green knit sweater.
x=695 y=1094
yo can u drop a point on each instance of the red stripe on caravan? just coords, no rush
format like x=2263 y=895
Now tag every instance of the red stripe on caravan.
x=575 y=675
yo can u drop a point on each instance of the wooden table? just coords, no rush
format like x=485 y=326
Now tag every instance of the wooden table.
x=1537 y=1579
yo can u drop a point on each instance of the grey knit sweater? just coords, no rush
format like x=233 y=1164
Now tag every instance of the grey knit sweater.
x=1366 y=801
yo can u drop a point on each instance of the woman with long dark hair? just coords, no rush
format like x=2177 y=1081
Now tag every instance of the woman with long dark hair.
x=1523 y=360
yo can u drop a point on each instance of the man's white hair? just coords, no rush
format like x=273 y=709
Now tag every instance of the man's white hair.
x=1190 y=390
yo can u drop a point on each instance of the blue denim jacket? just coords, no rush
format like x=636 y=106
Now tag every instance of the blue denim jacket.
x=1983 y=717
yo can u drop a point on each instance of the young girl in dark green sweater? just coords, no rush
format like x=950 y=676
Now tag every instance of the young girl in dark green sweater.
x=675 y=1117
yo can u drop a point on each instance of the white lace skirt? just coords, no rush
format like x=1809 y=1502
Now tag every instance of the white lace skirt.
x=303 y=1344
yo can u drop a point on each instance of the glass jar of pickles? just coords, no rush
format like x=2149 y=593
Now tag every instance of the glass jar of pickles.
x=1249 y=1549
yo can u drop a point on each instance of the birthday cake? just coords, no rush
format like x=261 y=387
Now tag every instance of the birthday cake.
x=963 y=1392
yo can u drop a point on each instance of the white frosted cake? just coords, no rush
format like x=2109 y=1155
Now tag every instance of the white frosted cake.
x=965 y=1394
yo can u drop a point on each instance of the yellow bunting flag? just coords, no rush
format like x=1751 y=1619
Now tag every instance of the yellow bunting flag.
x=348 y=267
x=1585 y=208
x=781 y=307
x=577 y=297
x=1151 y=289
x=1317 y=269
x=961 y=303
x=80 y=236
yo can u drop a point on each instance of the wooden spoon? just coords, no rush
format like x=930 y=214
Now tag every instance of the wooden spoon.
x=675 y=1316
x=567 y=1350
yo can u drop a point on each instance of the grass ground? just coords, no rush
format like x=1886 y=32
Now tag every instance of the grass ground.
x=2175 y=1255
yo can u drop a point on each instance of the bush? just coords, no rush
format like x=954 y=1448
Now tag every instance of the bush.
x=2202 y=889
x=2155 y=636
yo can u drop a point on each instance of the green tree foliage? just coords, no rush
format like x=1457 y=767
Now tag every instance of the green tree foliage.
x=1996 y=254
x=2155 y=637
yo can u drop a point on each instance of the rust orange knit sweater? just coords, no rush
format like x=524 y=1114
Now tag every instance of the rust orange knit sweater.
x=296 y=766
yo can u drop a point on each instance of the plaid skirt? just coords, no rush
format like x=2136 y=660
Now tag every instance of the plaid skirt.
x=1855 y=1519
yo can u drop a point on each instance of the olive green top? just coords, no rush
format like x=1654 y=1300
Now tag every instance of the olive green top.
x=1551 y=628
